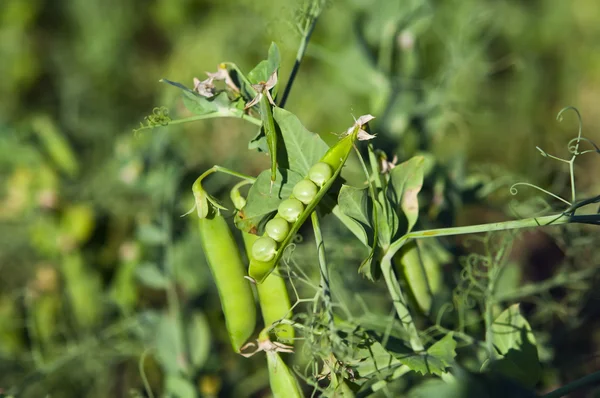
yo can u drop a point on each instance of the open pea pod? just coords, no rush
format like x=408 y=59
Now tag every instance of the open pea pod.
x=267 y=250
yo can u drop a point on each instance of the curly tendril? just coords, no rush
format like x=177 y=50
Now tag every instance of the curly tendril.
x=574 y=147
x=559 y=117
x=159 y=117
x=515 y=191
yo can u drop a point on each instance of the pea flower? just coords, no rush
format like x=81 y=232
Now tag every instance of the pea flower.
x=263 y=88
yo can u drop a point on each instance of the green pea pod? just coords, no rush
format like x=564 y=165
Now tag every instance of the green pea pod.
x=335 y=157
x=227 y=267
x=422 y=274
x=273 y=298
x=282 y=380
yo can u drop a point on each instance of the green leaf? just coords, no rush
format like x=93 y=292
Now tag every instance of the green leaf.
x=303 y=148
x=168 y=340
x=407 y=181
x=471 y=385
x=435 y=361
x=354 y=202
x=387 y=220
x=179 y=387
x=198 y=335
x=264 y=69
x=198 y=104
x=149 y=275
x=150 y=234
x=515 y=342
x=261 y=201
x=376 y=360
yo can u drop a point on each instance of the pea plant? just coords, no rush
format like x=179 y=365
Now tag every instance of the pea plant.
x=444 y=338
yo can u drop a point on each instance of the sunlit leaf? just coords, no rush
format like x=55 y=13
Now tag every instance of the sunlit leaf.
x=303 y=148
x=407 y=181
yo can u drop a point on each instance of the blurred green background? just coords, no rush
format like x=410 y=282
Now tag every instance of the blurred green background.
x=89 y=211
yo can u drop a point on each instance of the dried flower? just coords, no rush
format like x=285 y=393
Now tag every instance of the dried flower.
x=263 y=88
x=360 y=122
x=206 y=88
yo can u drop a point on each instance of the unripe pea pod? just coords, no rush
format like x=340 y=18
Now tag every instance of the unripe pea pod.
x=227 y=268
x=282 y=381
x=335 y=158
x=422 y=274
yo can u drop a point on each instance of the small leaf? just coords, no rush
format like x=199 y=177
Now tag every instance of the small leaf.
x=198 y=334
x=149 y=275
x=387 y=220
x=435 y=361
x=265 y=68
x=353 y=202
x=262 y=201
x=407 y=181
x=168 y=339
x=150 y=234
x=198 y=104
x=515 y=342
x=179 y=387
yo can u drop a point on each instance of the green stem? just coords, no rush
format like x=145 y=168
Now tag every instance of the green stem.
x=324 y=272
x=586 y=381
x=173 y=304
x=554 y=219
x=314 y=15
x=224 y=170
x=238 y=114
x=399 y=301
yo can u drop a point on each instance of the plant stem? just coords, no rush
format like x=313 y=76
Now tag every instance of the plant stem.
x=314 y=16
x=399 y=301
x=238 y=114
x=586 y=381
x=324 y=272
x=225 y=170
x=554 y=219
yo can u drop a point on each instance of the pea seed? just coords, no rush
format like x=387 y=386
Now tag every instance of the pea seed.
x=264 y=249
x=290 y=209
x=277 y=228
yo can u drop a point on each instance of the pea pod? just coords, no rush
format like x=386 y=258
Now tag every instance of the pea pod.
x=227 y=268
x=421 y=272
x=273 y=298
x=282 y=380
x=335 y=158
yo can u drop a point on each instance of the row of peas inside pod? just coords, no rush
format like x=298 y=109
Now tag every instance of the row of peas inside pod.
x=277 y=229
